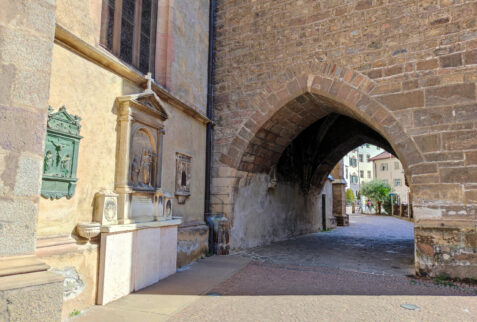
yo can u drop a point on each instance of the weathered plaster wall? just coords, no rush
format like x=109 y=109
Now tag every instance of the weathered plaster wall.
x=82 y=18
x=79 y=266
x=265 y=215
x=188 y=50
x=89 y=91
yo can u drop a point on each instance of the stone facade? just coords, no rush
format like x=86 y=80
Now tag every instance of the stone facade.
x=405 y=69
x=27 y=290
x=389 y=169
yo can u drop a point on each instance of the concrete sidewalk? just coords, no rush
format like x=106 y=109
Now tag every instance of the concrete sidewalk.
x=162 y=300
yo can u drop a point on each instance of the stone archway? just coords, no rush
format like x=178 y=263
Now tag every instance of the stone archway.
x=295 y=99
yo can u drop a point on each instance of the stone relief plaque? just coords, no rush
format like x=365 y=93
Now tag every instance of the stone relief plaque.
x=143 y=160
x=139 y=157
x=183 y=176
x=61 y=154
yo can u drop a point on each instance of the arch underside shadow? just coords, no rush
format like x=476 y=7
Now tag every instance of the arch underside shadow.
x=311 y=156
x=303 y=141
x=306 y=138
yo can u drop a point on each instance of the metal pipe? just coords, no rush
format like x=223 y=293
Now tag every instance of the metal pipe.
x=210 y=108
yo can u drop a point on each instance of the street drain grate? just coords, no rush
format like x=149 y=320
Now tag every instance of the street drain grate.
x=213 y=294
x=410 y=307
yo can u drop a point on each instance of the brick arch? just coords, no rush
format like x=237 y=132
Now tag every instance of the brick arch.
x=300 y=101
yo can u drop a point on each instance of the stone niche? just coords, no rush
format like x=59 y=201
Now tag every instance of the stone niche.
x=183 y=176
x=139 y=158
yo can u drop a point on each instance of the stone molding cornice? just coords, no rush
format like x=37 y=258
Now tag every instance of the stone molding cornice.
x=21 y=265
x=106 y=60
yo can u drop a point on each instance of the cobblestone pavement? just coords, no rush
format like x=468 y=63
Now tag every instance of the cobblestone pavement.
x=371 y=244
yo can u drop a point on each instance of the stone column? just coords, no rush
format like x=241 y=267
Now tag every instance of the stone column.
x=339 y=195
x=27 y=291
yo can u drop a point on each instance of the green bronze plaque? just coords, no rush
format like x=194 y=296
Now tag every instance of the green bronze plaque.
x=61 y=154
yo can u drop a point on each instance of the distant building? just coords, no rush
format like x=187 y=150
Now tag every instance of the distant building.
x=388 y=168
x=358 y=167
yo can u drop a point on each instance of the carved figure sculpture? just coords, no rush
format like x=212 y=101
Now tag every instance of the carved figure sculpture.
x=146 y=168
x=65 y=165
x=134 y=171
x=48 y=163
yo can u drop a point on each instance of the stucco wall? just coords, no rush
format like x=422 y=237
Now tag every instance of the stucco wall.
x=89 y=90
x=80 y=269
x=263 y=215
x=188 y=50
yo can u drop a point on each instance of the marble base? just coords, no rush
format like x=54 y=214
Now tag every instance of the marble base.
x=133 y=257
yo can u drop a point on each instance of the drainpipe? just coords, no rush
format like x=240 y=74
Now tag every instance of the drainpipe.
x=210 y=115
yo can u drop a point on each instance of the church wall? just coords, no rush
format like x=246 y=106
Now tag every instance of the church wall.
x=188 y=52
x=88 y=89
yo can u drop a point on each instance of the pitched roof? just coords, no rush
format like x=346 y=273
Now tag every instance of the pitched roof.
x=381 y=156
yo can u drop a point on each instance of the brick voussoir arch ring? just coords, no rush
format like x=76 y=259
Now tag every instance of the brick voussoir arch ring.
x=348 y=91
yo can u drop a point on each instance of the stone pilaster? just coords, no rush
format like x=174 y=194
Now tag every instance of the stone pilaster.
x=339 y=195
x=27 y=290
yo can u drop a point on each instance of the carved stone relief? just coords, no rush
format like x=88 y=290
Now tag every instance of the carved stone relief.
x=61 y=154
x=139 y=157
x=183 y=176
x=143 y=160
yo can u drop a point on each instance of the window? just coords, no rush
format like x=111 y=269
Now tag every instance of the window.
x=367 y=157
x=346 y=168
x=369 y=174
x=354 y=179
x=360 y=158
x=128 y=30
x=361 y=174
x=384 y=167
x=396 y=165
x=397 y=182
x=353 y=162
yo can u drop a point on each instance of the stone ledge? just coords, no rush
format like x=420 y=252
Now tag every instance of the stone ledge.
x=46 y=246
x=26 y=280
x=21 y=265
x=176 y=221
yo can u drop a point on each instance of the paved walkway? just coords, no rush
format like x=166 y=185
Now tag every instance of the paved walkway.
x=371 y=244
x=297 y=280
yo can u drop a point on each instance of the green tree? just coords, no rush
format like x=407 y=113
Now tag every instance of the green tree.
x=377 y=191
x=388 y=205
x=349 y=196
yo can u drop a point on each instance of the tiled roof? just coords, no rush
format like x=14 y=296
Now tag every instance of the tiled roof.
x=381 y=156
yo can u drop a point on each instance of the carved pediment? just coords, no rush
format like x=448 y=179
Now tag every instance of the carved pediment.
x=63 y=122
x=147 y=101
